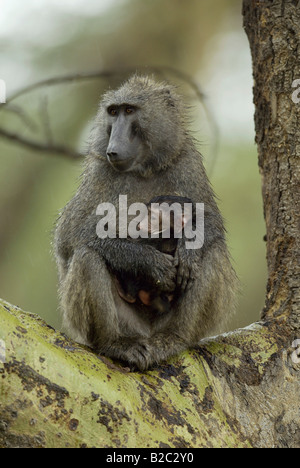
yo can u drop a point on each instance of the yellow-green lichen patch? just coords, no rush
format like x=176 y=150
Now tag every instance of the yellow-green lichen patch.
x=70 y=397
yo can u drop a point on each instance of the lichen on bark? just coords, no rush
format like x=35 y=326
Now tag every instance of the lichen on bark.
x=239 y=389
x=56 y=393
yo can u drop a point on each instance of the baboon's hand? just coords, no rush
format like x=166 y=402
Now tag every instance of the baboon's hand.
x=138 y=355
x=184 y=270
x=136 y=352
x=163 y=272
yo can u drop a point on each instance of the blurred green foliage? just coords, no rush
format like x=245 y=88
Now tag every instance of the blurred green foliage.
x=55 y=40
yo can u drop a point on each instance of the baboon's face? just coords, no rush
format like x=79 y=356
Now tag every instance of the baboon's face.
x=139 y=127
x=125 y=149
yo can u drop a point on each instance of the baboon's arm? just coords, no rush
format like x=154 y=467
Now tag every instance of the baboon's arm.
x=123 y=255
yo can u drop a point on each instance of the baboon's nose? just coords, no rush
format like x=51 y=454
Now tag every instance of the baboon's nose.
x=112 y=155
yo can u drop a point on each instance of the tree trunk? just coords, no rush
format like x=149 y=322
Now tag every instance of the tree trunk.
x=239 y=389
x=273 y=29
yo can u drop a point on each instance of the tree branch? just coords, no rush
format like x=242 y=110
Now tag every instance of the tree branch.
x=36 y=146
x=234 y=390
x=23 y=116
x=45 y=119
x=271 y=31
x=79 y=77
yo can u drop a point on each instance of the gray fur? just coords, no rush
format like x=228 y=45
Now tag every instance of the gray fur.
x=93 y=312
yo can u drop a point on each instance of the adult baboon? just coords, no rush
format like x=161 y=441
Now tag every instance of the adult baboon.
x=140 y=147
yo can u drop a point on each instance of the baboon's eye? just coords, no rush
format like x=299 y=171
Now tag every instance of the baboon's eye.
x=112 y=111
x=129 y=110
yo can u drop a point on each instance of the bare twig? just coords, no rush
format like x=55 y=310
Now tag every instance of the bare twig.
x=36 y=146
x=59 y=80
x=78 y=77
x=45 y=119
x=19 y=112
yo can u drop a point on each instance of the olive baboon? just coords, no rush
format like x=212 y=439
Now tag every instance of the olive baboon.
x=140 y=147
x=134 y=288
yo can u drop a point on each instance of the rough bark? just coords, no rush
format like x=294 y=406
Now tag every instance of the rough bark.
x=273 y=29
x=236 y=390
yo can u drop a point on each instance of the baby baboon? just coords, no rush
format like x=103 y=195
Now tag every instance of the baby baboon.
x=171 y=209
x=140 y=147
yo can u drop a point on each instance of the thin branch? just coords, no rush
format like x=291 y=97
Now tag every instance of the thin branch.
x=78 y=77
x=19 y=112
x=45 y=120
x=36 y=146
x=59 y=80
